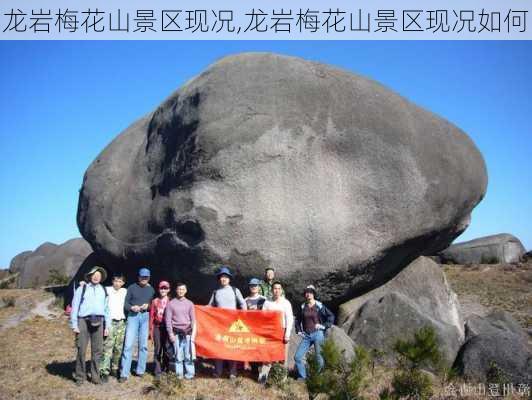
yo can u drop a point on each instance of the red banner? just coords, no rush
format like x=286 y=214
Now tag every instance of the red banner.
x=239 y=335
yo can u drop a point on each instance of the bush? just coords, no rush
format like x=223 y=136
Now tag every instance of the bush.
x=485 y=259
x=8 y=301
x=339 y=379
x=422 y=350
x=413 y=384
x=496 y=375
x=168 y=385
x=277 y=376
x=57 y=278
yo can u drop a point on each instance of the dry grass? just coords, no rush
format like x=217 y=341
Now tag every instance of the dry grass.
x=37 y=359
x=503 y=287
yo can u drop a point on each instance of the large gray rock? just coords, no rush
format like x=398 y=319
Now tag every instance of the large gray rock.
x=418 y=296
x=34 y=267
x=502 y=248
x=495 y=342
x=265 y=159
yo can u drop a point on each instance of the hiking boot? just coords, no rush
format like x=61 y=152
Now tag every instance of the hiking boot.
x=104 y=378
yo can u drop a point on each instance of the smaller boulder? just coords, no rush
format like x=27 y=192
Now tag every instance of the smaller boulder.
x=495 y=344
x=342 y=340
x=418 y=296
x=495 y=249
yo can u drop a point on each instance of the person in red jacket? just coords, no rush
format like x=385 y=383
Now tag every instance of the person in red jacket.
x=158 y=332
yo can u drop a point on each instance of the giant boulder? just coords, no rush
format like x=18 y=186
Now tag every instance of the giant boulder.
x=34 y=267
x=418 y=296
x=501 y=248
x=265 y=159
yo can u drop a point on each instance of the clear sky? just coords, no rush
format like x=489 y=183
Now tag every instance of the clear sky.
x=62 y=102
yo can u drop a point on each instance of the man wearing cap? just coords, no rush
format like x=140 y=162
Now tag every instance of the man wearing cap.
x=312 y=320
x=266 y=286
x=90 y=320
x=138 y=299
x=255 y=300
x=226 y=296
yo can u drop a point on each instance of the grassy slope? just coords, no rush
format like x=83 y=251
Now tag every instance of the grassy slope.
x=37 y=355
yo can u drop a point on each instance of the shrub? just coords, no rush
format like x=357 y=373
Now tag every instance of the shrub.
x=485 y=259
x=56 y=277
x=412 y=384
x=422 y=350
x=9 y=301
x=496 y=375
x=277 y=376
x=168 y=385
x=339 y=379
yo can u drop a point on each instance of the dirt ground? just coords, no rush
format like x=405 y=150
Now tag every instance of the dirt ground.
x=37 y=347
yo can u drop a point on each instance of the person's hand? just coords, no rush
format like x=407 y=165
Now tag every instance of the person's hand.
x=286 y=340
x=76 y=330
x=106 y=332
x=135 y=308
x=172 y=338
x=301 y=333
x=320 y=327
x=144 y=306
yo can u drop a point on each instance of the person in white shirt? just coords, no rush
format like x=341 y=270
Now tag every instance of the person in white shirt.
x=112 y=347
x=278 y=303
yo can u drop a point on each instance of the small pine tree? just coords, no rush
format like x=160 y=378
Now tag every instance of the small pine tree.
x=422 y=350
x=339 y=379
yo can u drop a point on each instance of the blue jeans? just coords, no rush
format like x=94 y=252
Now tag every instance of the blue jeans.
x=184 y=356
x=309 y=339
x=136 y=327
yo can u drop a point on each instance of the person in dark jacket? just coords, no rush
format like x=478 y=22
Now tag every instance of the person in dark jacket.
x=137 y=303
x=312 y=320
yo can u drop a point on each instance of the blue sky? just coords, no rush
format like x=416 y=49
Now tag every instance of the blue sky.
x=62 y=102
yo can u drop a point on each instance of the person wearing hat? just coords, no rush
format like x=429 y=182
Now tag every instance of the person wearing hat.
x=266 y=286
x=90 y=320
x=138 y=298
x=226 y=296
x=158 y=331
x=114 y=342
x=312 y=320
x=255 y=300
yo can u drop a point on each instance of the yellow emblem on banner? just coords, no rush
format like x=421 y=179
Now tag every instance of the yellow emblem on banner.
x=239 y=327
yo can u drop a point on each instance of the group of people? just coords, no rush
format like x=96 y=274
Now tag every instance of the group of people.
x=114 y=319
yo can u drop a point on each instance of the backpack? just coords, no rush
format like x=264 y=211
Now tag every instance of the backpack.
x=215 y=303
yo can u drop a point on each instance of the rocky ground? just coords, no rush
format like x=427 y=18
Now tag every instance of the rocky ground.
x=37 y=346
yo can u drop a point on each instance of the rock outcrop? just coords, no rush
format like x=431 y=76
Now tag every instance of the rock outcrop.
x=418 y=296
x=494 y=249
x=265 y=159
x=34 y=267
x=496 y=346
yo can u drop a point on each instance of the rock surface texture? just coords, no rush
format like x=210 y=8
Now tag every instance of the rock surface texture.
x=264 y=160
x=419 y=295
x=34 y=266
x=495 y=345
x=502 y=248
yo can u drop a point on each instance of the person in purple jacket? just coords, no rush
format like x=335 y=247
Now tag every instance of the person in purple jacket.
x=181 y=325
